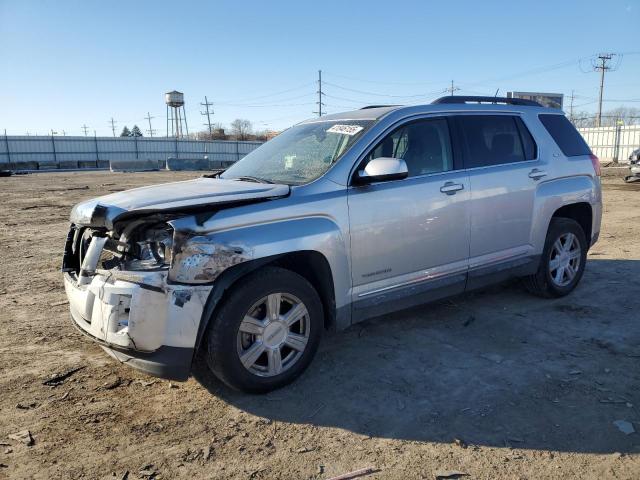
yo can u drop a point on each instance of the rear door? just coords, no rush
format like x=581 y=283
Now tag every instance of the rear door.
x=501 y=159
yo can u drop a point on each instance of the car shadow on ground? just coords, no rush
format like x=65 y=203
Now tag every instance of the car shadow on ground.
x=497 y=367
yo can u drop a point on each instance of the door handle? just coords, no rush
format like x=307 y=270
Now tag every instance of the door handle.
x=537 y=174
x=451 y=188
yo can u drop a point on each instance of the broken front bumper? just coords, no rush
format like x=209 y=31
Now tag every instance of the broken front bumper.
x=138 y=318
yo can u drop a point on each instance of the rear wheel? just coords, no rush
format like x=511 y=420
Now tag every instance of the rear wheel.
x=266 y=332
x=563 y=260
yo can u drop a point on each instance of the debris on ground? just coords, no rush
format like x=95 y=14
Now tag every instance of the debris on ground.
x=355 y=474
x=57 y=304
x=305 y=450
x=112 y=384
x=206 y=453
x=145 y=383
x=59 y=378
x=148 y=472
x=26 y=406
x=23 y=436
x=450 y=474
x=625 y=426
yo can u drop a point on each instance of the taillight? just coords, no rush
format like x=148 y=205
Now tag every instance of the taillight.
x=596 y=164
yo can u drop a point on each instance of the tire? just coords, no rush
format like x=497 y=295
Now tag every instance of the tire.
x=245 y=328
x=545 y=282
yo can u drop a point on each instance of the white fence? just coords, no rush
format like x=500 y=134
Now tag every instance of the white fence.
x=53 y=152
x=612 y=143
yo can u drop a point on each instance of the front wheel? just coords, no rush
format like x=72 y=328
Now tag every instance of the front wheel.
x=563 y=260
x=266 y=332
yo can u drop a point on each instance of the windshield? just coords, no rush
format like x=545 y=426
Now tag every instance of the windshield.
x=300 y=154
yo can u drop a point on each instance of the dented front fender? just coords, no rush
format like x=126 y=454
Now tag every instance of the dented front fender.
x=201 y=257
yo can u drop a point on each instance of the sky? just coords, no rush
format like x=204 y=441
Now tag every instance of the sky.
x=65 y=64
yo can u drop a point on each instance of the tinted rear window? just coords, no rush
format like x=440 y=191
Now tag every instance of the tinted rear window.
x=491 y=140
x=565 y=135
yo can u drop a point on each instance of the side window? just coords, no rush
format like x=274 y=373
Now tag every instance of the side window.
x=492 y=140
x=565 y=135
x=424 y=145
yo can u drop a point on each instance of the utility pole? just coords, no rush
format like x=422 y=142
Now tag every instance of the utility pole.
x=206 y=105
x=85 y=128
x=451 y=89
x=602 y=65
x=113 y=126
x=320 y=94
x=571 y=107
x=151 y=130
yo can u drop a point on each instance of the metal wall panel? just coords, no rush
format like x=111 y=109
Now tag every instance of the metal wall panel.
x=612 y=143
x=28 y=152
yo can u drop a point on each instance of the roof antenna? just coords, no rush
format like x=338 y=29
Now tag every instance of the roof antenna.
x=496 y=95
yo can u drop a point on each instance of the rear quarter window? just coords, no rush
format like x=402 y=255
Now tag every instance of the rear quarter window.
x=565 y=135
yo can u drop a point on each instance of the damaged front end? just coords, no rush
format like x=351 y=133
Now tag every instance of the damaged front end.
x=119 y=295
x=136 y=283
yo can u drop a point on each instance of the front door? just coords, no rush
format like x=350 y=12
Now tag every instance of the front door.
x=410 y=237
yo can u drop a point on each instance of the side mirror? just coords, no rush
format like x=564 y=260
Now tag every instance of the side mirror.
x=382 y=169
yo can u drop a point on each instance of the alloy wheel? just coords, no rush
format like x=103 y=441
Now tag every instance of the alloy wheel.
x=273 y=334
x=564 y=261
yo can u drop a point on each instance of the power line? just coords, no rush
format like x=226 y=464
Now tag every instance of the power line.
x=373 y=93
x=452 y=89
x=207 y=104
x=149 y=118
x=320 y=94
x=85 y=128
x=275 y=94
x=113 y=126
x=266 y=104
x=381 y=82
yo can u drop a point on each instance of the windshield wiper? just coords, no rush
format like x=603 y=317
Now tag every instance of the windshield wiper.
x=252 y=179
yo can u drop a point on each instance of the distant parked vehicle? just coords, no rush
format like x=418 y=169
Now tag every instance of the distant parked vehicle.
x=634 y=166
x=337 y=219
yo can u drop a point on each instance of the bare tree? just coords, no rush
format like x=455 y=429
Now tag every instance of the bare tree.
x=241 y=129
x=627 y=115
x=610 y=118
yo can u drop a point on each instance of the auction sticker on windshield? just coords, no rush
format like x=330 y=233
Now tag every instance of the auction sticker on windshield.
x=345 y=129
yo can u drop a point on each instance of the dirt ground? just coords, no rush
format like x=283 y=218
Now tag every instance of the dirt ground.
x=494 y=384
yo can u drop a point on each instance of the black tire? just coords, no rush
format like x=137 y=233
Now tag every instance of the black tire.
x=222 y=343
x=542 y=283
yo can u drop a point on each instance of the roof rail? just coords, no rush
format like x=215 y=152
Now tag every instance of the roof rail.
x=477 y=99
x=377 y=106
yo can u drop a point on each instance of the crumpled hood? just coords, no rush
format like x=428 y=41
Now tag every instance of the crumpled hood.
x=175 y=196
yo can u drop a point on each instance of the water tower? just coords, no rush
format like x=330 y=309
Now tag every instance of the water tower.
x=176 y=114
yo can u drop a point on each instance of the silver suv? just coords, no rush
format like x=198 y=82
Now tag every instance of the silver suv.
x=335 y=220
